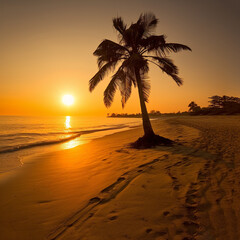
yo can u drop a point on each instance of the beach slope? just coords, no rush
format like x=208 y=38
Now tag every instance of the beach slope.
x=107 y=190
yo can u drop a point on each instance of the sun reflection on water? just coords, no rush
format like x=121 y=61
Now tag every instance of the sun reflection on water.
x=74 y=142
x=67 y=122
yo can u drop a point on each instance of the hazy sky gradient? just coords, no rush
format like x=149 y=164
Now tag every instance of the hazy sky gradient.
x=46 y=51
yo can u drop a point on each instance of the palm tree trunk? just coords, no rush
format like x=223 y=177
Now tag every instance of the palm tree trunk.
x=147 y=127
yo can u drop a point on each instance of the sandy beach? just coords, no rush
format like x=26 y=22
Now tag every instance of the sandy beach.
x=106 y=190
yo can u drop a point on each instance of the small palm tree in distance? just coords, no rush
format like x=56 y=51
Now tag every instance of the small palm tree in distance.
x=137 y=48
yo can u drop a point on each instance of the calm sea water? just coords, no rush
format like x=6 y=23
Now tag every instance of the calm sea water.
x=21 y=137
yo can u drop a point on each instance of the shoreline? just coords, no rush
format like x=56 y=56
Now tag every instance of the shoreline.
x=58 y=141
x=20 y=155
x=84 y=192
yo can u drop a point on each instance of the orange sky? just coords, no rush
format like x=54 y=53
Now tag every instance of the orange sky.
x=46 y=52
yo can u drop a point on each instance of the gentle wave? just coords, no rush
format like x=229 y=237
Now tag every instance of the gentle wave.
x=22 y=134
x=74 y=135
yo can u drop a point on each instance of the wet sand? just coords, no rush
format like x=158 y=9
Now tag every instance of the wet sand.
x=106 y=190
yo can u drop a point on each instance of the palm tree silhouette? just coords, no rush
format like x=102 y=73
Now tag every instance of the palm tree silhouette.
x=135 y=50
x=192 y=106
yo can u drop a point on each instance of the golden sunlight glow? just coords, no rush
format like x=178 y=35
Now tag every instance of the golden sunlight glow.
x=73 y=143
x=67 y=122
x=68 y=100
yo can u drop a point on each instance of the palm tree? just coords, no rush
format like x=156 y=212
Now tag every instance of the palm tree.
x=193 y=106
x=135 y=50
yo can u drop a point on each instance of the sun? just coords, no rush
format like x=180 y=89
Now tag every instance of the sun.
x=68 y=100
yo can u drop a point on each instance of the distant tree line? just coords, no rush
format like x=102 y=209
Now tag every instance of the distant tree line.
x=217 y=105
x=152 y=114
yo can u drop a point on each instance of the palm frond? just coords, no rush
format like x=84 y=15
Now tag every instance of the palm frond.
x=168 y=67
x=174 y=47
x=167 y=64
x=109 y=51
x=152 y=42
x=124 y=79
x=117 y=81
x=177 y=79
x=148 y=22
x=119 y=25
x=109 y=58
x=110 y=91
x=131 y=75
x=108 y=45
x=131 y=36
x=144 y=67
x=142 y=28
x=93 y=82
x=125 y=87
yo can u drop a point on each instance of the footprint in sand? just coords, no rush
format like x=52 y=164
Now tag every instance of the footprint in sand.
x=166 y=213
x=175 y=182
x=94 y=200
x=192 y=227
x=148 y=230
x=192 y=201
x=120 y=179
x=122 y=151
x=202 y=175
x=149 y=163
x=44 y=201
x=113 y=218
x=110 y=187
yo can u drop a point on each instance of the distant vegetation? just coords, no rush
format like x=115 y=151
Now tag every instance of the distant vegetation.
x=218 y=105
x=152 y=114
x=224 y=105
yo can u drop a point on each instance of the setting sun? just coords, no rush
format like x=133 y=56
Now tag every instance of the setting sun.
x=68 y=100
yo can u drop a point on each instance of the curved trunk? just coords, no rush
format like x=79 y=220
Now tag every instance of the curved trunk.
x=147 y=127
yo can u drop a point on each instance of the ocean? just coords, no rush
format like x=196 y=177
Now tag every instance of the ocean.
x=24 y=136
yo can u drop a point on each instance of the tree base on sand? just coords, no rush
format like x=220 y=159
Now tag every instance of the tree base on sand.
x=151 y=141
